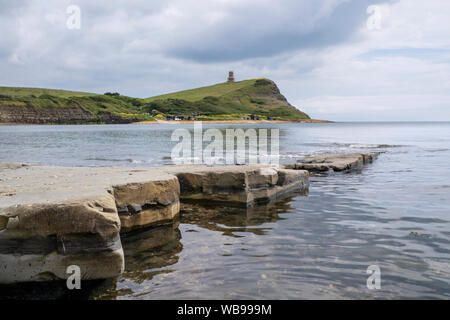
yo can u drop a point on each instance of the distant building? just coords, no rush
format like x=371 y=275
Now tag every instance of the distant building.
x=250 y=117
x=181 y=118
x=231 y=76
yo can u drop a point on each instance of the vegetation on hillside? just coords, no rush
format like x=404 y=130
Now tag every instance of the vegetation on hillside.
x=26 y=92
x=113 y=103
x=197 y=94
x=259 y=97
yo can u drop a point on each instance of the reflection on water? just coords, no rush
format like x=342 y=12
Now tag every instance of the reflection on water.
x=312 y=247
x=303 y=247
x=148 y=253
x=230 y=220
x=56 y=290
x=151 y=249
x=154 y=252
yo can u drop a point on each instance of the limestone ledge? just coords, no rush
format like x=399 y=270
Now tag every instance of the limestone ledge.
x=38 y=242
x=54 y=217
x=334 y=162
x=238 y=185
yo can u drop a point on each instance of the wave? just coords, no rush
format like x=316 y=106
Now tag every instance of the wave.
x=437 y=150
x=352 y=145
x=117 y=160
x=367 y=146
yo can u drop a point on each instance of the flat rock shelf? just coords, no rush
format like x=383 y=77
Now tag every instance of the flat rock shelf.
x=334 y=162
x=55 y=217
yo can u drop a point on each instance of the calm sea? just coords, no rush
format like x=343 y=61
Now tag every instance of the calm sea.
x=394 y=214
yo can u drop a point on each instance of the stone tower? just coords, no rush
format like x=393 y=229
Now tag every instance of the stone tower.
x=231 y=76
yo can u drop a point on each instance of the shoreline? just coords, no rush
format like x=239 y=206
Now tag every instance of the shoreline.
x=234 y=121
x=173 y=122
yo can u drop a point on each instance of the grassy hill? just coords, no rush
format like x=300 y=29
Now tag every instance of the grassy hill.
x=217 y=90
x=257 y=96
x=218 y=102
x=25 y=92
x=36 y=105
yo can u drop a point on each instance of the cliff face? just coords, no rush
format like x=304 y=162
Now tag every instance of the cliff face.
x=43 y=115
x=268 y=91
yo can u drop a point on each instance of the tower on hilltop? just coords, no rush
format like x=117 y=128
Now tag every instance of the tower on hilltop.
x=231 y=76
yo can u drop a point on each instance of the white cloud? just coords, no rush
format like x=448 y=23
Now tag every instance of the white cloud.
x=380 y=108
x=320 y=52
x=401 y=72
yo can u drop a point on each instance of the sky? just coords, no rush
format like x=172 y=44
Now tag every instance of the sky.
x=341 y=60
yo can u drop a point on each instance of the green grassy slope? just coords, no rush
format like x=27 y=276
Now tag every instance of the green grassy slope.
x=96 y=104
x=257 y=96
x=211 y=91
x=221 y=101
x=24 y=92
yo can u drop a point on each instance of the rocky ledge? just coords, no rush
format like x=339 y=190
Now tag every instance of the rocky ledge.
x=60 y=115
x=55 y=217
x=242 y=186
x=334 y=162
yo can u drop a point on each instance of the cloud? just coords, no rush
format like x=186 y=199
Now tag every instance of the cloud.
x=380 y=108
x=249 y=29
x=198 y=30
x=313 y=49
x=400 y=72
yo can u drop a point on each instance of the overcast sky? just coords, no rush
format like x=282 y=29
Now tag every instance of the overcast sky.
x=333 y=59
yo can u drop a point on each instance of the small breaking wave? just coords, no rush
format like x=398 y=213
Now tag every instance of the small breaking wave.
x=119 y=160
x=367 y=146
x=437 y=150
x=111 y=160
